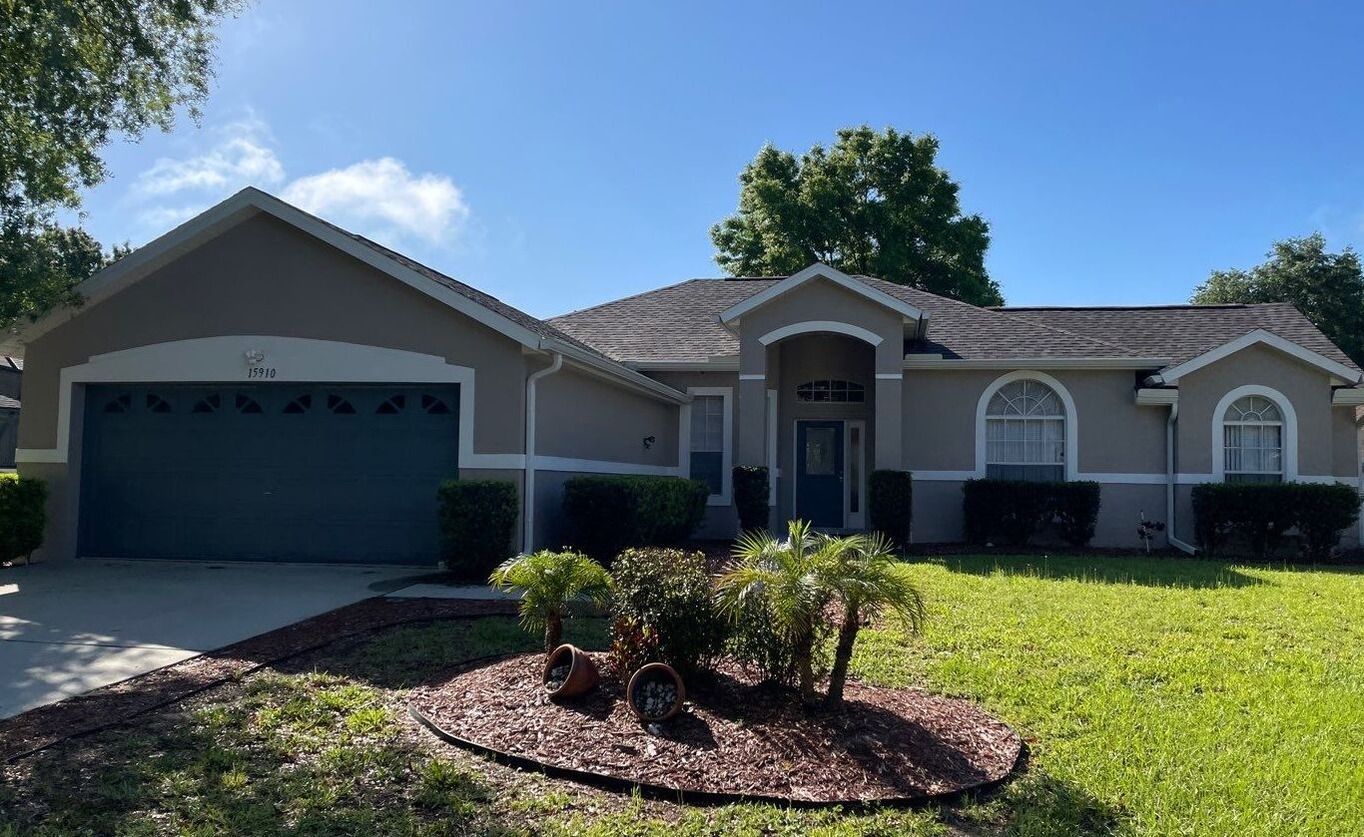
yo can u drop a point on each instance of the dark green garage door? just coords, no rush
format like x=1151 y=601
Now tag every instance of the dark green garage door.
x=285 y=472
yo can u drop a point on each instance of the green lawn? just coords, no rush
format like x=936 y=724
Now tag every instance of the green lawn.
x=1157 y=697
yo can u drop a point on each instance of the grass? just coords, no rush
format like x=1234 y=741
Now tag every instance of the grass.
x=1157 y=697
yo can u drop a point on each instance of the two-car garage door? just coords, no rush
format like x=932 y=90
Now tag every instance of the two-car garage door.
x=289 y=472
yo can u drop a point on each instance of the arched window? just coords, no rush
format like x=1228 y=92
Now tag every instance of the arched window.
x=831 y=392
x=1025 y=433
x=1253 y=440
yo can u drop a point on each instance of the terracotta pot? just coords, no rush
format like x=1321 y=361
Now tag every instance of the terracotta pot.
x=582 y=672
x=660 y=673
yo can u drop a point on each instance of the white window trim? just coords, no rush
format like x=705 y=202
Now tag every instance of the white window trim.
x=1072 y=420
x=1290 y=430
x=727 y=452
x=821 y=326
x=772 y=469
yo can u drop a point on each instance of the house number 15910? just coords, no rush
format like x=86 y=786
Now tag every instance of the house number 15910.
x=261 y=372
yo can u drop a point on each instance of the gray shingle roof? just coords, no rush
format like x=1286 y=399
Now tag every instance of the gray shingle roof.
x=1182 y=332
x=681 y=323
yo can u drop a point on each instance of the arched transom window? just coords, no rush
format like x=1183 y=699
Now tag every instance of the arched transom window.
x=831 y=392
x=1025 y=433
x=1252 y=440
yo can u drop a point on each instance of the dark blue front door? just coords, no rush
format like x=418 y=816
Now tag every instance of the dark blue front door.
x=267 y=472
x=819 y=473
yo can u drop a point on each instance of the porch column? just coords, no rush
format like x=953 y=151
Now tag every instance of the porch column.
x=889 y=405
x=752 y=405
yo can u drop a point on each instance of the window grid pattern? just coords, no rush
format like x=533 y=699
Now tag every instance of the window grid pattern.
x=1025 y=432
x=1252 y=440
x=708 y=441
x=831 y=392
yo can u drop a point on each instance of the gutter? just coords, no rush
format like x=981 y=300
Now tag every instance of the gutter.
x=1170 y=483
x=528 y=482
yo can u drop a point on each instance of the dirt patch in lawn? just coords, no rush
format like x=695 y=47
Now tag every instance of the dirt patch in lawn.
x=735 y=738
x=129 y=698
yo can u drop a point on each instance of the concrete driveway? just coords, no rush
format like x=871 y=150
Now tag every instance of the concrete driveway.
x=67 y=628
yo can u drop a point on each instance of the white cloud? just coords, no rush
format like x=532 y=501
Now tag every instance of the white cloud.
x=379 y=197
x=383 y=196
x=241 y=158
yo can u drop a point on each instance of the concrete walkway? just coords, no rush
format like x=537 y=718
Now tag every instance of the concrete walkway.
x=67 y=628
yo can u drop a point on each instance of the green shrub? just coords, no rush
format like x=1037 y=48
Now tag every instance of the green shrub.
x=664 y=610
x=477 y=521
x=1075 y=506
x=1322 y=512
x=608 y=514
x=890 y=497
x=1259 y=515
x=23 y=516
x=1014 y=510
x=751 y=490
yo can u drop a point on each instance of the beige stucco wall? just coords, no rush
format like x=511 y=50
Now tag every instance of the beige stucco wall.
x=1307 y=387
x=581 y=416
x=1115 y=435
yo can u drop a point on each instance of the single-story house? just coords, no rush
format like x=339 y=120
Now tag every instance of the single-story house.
x=260 y=384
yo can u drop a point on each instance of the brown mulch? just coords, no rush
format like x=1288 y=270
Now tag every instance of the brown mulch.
x=735 y=737
x=118 y=702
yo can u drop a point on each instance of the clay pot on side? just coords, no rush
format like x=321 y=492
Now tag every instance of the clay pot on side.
x=655 y=693
x=580 y=678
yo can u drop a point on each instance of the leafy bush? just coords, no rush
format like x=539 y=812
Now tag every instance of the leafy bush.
x=23 y=516
x=608 y=514
x=1014 y=510
x=751 y=490
x=890 y=496
x=1259 y=515
x=664 y=610
x=477 y=520
x=1075 y=506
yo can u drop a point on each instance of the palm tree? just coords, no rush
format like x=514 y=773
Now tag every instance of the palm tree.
x=550 y=582
x=784 y=578
x=865 y=577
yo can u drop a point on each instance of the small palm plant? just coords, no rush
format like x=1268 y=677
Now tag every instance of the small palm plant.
x=550 y=582
x=784 y=579
x=862 y=573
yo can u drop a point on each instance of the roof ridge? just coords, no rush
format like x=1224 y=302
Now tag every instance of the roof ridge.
x=1175 y=306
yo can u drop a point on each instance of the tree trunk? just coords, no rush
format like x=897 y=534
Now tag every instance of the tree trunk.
x=847 y=635
x=805 y=669
x=554 y=632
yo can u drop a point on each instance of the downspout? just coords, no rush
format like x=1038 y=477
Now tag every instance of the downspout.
x=1170 y=482
x=528 y=491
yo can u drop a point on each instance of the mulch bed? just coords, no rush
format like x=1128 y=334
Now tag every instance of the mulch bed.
x=736 y=738
x=113 y=704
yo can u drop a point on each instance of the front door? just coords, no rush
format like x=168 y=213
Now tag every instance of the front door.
x=819 y=473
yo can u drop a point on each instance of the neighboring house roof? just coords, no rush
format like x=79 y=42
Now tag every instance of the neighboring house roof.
x=1183 y=332
x=682 y=323
x=7 y=403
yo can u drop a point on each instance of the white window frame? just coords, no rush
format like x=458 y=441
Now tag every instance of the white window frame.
x=1289 y=438
x=1072 y=445
x=727 y=451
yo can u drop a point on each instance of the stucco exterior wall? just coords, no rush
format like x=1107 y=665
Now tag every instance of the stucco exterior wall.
x=1306 y=387
x=720 y=521
x=581 y=416
x=1115 y=435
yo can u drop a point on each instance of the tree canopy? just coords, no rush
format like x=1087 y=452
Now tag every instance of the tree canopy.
x=874 y=203
x=1328 y=288
x=71 y=76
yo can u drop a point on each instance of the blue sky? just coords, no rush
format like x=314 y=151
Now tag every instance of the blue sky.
x=558 y=155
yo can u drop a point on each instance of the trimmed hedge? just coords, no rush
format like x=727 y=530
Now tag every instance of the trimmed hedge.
x=477 y=521
x=1260 y=515
x=608 y=514
x=890 y=497
x=1015 y=510
x=665 y=611
x=23 y=516
x=751 y=490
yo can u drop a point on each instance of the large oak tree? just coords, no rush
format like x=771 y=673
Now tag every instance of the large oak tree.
x=874 y=203
x=1326 y=287
x=73 y=74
